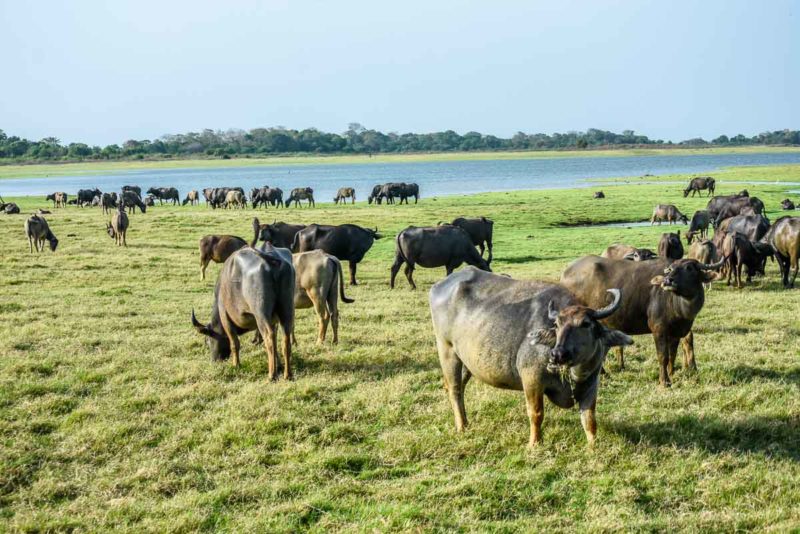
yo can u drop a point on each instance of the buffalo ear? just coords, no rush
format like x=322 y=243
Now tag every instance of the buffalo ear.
x=615 y=338
x=657 y=280
x=543 y=336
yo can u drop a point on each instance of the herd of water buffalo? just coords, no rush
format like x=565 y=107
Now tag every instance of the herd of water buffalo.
x=561 y=331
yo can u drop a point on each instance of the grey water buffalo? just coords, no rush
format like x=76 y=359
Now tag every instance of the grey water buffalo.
x=343 y=194
x=135 y=188
x=298 y=194
x=754 y=227
x=132 y=201
x=721 y=208
x=59 y=199
x=438 y=246
x=235 y=199
x=787 y=204
x=400 y=190
x=599 y=194
x=254 y=291
x=165 y=193
x=118 y=229
x=626 y=252
x=87 y=195
x=698 y=227
x=348 y=242
x=280 y=234
x=192 y=198
x=699 y=184
x=669 y=213
x=480 y=230
x=9 y=208
x=318 y=277
x=266 y=195
x=521 y=335
x=670 y=246
x=658 y=297
x=784 y=237
x=38 y=231
x=217 y=248
x=108 y=201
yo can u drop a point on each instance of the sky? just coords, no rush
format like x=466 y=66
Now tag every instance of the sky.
x=103 y=72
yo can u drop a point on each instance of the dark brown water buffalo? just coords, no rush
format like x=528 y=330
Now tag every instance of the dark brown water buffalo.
x=87 y=195
x=784 y=237
x=741 y=252
x=375 y=194
x=753 y=227
x=700 y=183
x=721 y=208
x=108 y=201
x=149 y=201
x=192 y=198
x=217 y=248
x=298 y=194
x=118 y=229
x=216 y=196
x=521 y=335
x=626 y=252
x=348 y=242
x=438 y=246
x=409 y=190
x=670 y=247
x=669 y=213
x=390 y=191
x=343 y=194
x=280 y=234
x=135 y=188
x=698 y=227
x=9 y=208
x=254 y=291
x=657 y=297
x=599 y=194
x=165 y=193
x=787 y=204
x=266 y=195
x=480 y=231
x=318 y=276
x=38 y=231
x=132 y=201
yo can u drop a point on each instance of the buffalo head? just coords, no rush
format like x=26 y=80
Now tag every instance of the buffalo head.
x=686 y=277
x=217 y=342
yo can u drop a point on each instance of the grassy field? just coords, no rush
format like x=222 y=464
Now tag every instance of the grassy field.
x=113 y=417
x=94 y=167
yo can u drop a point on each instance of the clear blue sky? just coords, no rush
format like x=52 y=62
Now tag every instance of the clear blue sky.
x=107 y=71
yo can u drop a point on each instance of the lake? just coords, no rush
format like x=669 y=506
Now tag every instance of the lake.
x=434 y=178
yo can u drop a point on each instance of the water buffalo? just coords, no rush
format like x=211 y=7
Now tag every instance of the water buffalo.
x=670 y=246
x=390 y=191
x=409 y=190
x=280 y=234
x=704 y=251
x=658 y=297
x=254 y=291
x=348 y=242
x=721 y=208
x=132 y=201
x=754 y=227
x=9 y=208
x=480 y=231
x=135 y=188
x=217 y=248
x=149 y=201
x=375 y=194
x=118 y=229
x=698 y=184
x=669 y=213
x=301 y=193
x=165 y=193
x=96 y=201
x=627 y=252
x=343 y=194
x=438 y=246
x=521 y=335
x=266 y=195
x=235 y=199
x=59 y=199
x=108 y=201
x=318 y=276
x=38 y=231
x=87 y=195
x=599 y=194
x=787 y=204
x=192 y=198
x=698 y=227
x=741 y=252
x=784 y=237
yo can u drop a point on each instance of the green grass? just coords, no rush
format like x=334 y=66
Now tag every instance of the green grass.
x=95 y=167
x=113 y=417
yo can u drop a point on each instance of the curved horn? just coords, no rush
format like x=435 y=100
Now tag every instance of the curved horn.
x=199 y=326
x=552 y=312
x=712 y=266
x=602 y=313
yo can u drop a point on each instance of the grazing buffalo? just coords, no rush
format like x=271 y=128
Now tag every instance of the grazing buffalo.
x=235 y=199
x=280 y=234
x=721 y=208
x=343 y=194
x=135 y=188
x=108 y=201
x=38 y=231
x=670 y=246
x=87 y=195
x=480 y=231
x=192 y=198
x=59 y=199
x=669 y=213
x=318 y=277
x=375 y=195
x=627 y=252
x=521 y=335
x=165 y=193
x=658 y=297
x=409 y=190
x=700 y=183
x=118 y=229
x=599 y=194
x=439 y=246
x=258 y=196
x=400 y=190
x=784 y=237
x=348 y=242
x=132 y=201
x=698 y=227
x=215 y=196
x=301 y=193
x=787 y=204
x=254 y=291
x=217 y=248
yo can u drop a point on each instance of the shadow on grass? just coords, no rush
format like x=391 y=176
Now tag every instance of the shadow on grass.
x=529 y=258
x=745 y=373
x=376 y=369
x=770 y=436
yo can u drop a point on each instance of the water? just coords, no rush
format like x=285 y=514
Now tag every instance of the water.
x=434 y=178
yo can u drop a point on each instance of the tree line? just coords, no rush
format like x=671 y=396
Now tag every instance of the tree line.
x=356 y=140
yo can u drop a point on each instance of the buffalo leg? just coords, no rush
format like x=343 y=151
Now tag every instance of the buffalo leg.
x=621 y=357
x=672 y=345
x=30 y=243
x=588 y=420
x=332 y=307
x=203 y=265
x=228 y=328
x=125 y=238
x=489 y=246
x=398 y=262
x=322 y=317
x=534 y=402
x=452 y=372
x=409 y=270
x=687 y=343
x=662 y=349
x=353 y=266
x=481 y=247
x=269 y=336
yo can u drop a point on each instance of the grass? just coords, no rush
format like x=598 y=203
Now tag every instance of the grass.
x=95 y=167
x=113 y=417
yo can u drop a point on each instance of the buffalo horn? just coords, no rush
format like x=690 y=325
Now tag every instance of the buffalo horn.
x=200 y=327
x=602 y=313
x=552 y=312
x=712 y=266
